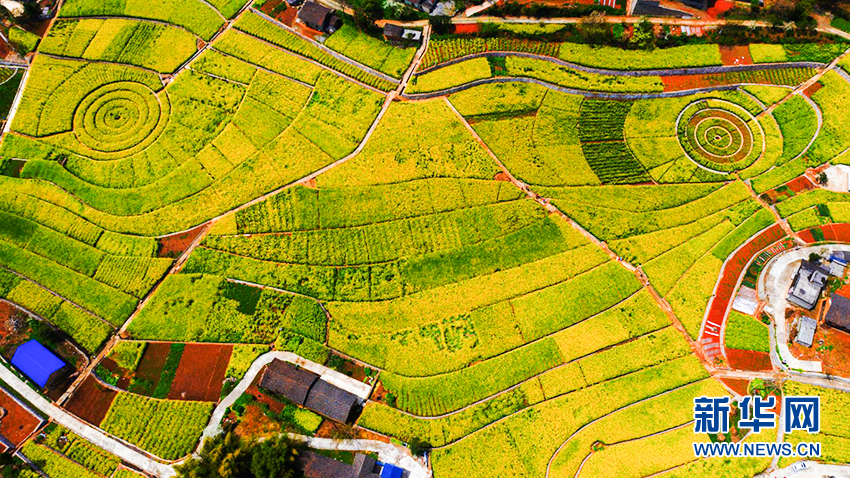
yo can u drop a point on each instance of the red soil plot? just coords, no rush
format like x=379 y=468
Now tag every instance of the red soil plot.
x=274 y=405
x=269 y=7
x=287 y=17
x=839 y=232
x=18 y=421
x=91 y=401
x=816 y=86
x=5 y=49
x=735 y=55
x=201 y=372
x=737 y=385
x=732 y=270
x=153 y=361
x=800 y=184
x=784 y=77
x=748 y=360
x=467 y=28
x=176 y=244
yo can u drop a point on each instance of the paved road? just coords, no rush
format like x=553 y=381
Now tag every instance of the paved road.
x=815 y=470
x=93 y=435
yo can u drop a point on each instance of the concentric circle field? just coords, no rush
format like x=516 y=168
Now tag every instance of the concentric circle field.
x=720 y=135
x=118 y=116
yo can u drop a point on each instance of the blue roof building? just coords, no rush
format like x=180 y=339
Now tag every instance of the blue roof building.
x=37 y=362
x=391 y=471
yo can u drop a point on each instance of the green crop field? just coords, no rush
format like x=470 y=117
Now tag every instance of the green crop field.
x=167 y=428
x=515 y=248
x=370 y=51
x=145 y=44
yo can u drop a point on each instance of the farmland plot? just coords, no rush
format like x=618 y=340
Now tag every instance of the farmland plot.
x=150 y=45
x=497 y=325
x=370 y=51
x=167 y=428
x=537 y=144
x=193 y=15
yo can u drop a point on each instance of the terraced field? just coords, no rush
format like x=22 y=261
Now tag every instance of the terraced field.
x=520 y=247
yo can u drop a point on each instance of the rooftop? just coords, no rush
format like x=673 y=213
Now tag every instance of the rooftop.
x=288 y=380
x=808 y=284
x=332 y=402
x=838 y=315
x=806 y=331
x=36 y=362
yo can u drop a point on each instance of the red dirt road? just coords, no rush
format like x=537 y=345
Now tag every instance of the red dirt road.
x=91 y=401
x=201 y=372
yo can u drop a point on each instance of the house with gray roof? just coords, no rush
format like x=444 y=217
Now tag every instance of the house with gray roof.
x=806 y=331
x=319 y=17
x=284 y=378
x=307 y=389
x=332 y=402
x=808 y=284
x=838 y=315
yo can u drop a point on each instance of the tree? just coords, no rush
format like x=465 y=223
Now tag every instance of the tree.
x=274 y=458
x=419 y=446
x=823 y=179
x=367 y=13
x=594 y=27
x=440 y=24
x=32 y=9
x=227 y=456
x=643 y=35
x=755 y=6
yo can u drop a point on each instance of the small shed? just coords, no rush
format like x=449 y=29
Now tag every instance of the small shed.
x=319 y=17
x=838 y=315
x=746 y=302
x=38 y=363
x=397 y=34
x=330 y=401
x=806 y=331
x=288 y=380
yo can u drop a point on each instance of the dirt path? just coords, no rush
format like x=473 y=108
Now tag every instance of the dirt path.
x=571 y=91
x=776 y=217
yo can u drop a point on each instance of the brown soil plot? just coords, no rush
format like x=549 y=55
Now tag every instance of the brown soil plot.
x=91 y=401
x=201 y=372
